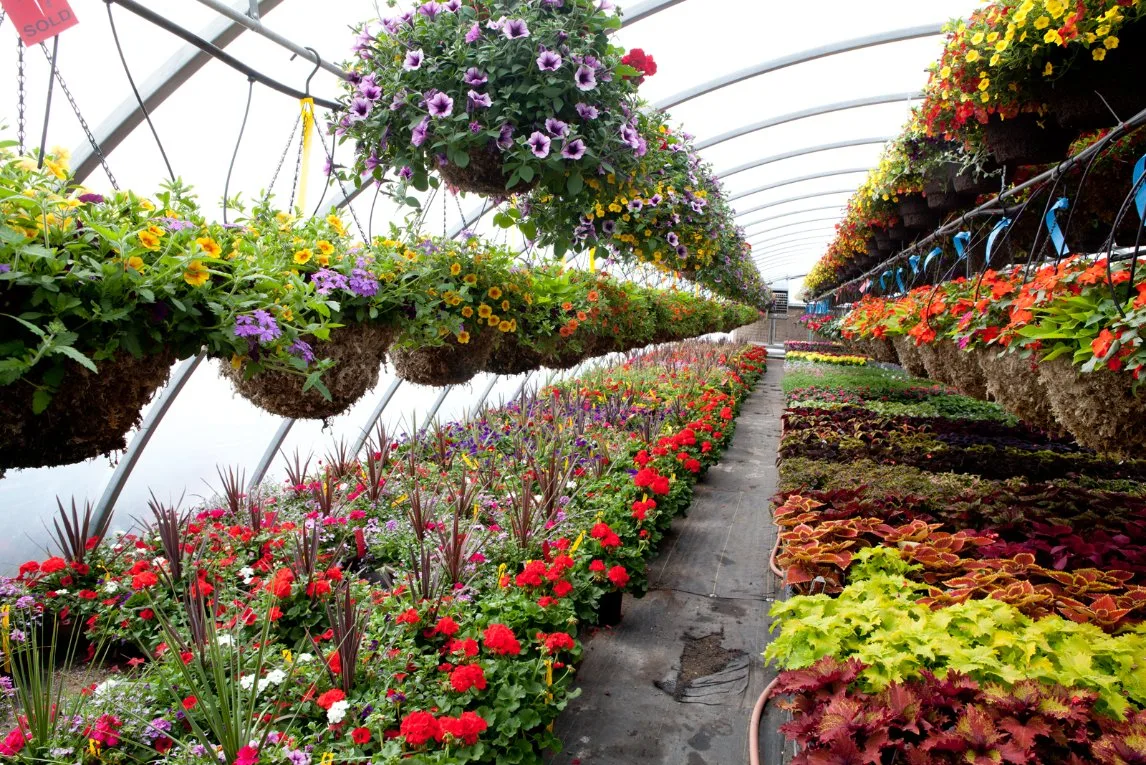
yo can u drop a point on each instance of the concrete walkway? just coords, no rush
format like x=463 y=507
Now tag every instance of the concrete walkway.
x=676 y=681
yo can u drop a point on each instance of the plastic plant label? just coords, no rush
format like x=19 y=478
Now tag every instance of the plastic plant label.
x=39 y=20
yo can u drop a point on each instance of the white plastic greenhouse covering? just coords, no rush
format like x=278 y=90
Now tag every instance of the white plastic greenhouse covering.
x=758 y=82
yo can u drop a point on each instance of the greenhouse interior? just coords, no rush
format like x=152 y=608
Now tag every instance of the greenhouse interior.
x=806 y=432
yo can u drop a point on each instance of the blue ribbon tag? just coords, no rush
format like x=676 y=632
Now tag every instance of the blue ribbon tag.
x=961 y=240
x=998 y=229
x=883 y=279
x=914 y=261
x=937 y=252
x=1140 y=197
x=899 y=279
x=1056 y=235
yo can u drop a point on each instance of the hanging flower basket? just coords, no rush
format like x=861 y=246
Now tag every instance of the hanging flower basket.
x=89 y=415
x=916 y=213
x=1026 y=139
x=909 y=357
x=511 y=357
x=1095 y=94
x=1015 y=383
x=358 y=351
x=451 y=363
x=960 y=369
x=929 y=357
x=1100 y=408
x=483 y=175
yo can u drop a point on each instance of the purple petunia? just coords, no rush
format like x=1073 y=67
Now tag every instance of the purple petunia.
x=609 y=227
x=431 y=9
x=359 y=109
x=574 y=150
x=414 y=60
x=406 y=173
x=585 y=78
x=93 y=199
x=302 y=349
x=515 y=29
x=505 y=137
x=539 y=143
x=672 y=239
x=421 y=130
x=495 y=24
x=259 y=325
x=630 y=136
x=475 y=77
x=587 y=111
x=453 y=5
x=655 y=199
x=474 y=34
x=636 y=205
x=556 y=127
x=398 y=101
x=477 y=100
x=369 y=90
x=440 y=105
x=548 y=61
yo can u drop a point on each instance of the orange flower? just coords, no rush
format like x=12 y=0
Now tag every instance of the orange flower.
x=1101 y=345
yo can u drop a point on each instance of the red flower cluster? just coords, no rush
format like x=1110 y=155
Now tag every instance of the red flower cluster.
x=419 y=728
x=649 y=478
x=500 y=640
x=605 y=535
x=642 y=507
x=558 y=641
x=618 y=576
x=326 y=700
x=642 y=62
x=467 y=676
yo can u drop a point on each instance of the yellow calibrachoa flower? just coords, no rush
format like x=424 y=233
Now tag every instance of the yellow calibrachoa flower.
x=135 y=262
x=303 y=256
x=148 y=240
x=503 y=325
x=505 y=305
x=467 y=312
x=484 y=311
x=463 y=337
x=286 y=314
x=210 y=247
x=325 y=247
x=322 y=260
x=494 y=292
x=470 y=279
x=196 y=274
x=455 y=269
x=337 y=224
x=493 y=320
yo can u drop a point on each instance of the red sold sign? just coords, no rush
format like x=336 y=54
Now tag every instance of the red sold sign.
x=39 y=20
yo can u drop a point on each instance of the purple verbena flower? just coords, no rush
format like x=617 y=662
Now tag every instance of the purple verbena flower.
x=260 y=325
x=362 y=282
x=92 y=199
x=303 y=350
x=326 y=281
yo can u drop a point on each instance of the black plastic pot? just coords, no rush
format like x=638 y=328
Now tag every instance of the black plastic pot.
x=609 y=609
x=1026 y=139
x=1091 y=93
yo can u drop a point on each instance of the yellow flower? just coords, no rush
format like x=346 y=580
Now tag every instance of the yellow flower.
x=210 y=247
x=493 y=321
x=322 y=260
x=467 y=312
x=1042 y=22
x=513 y=325
x=470 y=279
x=196 y=274
x=484 y=311
x=494 y=292
x=977 y=38
x=503 y=325
x=463 y=337
x=995 y=59
x=455 y=269
x=146 y=204
x=972 y=56
x=284 y=219
x=135 y=262
x=325 y=247
x=944 y=73
x=156 y=230
x=1002 y=45
x=505 y=305
x=236 y=361
x=1098 y=53
x=148 y=240
x=1052 y=36
x=984 y=83
x=1049 y=70
x=1110 y=42
x=303 y=256
x=286 y=314
x=336 y=223
x=528 y=299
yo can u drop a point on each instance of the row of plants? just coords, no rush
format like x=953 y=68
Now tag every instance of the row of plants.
x=1057 y=345
x=533 y=101
x=100 y=295
x=1019 y=85
x=421 y=601
x=951 y=615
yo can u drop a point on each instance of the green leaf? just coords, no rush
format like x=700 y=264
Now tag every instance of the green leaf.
x=75 y=356
x=575 y=183
x=40 y=400
x=526 y=173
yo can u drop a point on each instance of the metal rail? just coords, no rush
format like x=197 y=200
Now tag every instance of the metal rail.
x=801 y=179
x=753 y=164
x=834 y=218
x=786 y=200
x=254 y=25
x=783 y=215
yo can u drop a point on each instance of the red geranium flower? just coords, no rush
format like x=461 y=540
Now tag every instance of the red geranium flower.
x=465 y=728
x=618 y=576
x=327 y=699
x=500 y=640
x=420 y=727
x=144 y=580
x=467 y=676
x=190 y=702
x=361 y=736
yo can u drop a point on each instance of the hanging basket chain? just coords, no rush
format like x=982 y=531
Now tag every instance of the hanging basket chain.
x=238 y=142
x=21 y=106
x=297 y=169
x=329 y=152
x=48 y=100
x=83 y=122
x=286 y=150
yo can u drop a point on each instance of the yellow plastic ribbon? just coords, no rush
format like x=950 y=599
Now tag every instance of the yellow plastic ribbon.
x=307 y=107
x=593 y=259
x=577 y=543
x=327 y=758
x=287 y=657
x=5 y=628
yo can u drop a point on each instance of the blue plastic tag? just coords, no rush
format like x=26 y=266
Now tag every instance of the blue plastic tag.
x=961 y=240
x=899 y=279
x=937 y=252
x=914 y=262
x=998 y=229
x=1056 y=235
x=1140 y=196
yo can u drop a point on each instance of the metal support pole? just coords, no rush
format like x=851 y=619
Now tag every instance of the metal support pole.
x=801 y=179
x=760 y=162
x=146 y=430
x=832 y=219
x=368 y=428
x=270 y=452
x=257 y=27
x=521 y=388
x=484 y=395
x=786 y=200
x=437 y=405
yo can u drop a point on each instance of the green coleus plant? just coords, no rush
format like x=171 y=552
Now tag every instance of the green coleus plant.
x=495 y=96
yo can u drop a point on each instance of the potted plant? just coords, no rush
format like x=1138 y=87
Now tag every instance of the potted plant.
x=319 y=275
x=99 y=295
x=461 y=303
x=496 y=97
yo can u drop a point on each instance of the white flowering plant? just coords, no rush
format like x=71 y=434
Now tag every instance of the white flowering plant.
x=496 y=96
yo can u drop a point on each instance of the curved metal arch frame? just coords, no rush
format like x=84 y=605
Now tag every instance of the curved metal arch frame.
x=801 y=179
x=797 y=198
x=802 y=57
x=793 y=224
x=803 y=114
x=780 y=245
x=803 y=152
x=782 y=216
x=791 y=237
x=790 y=254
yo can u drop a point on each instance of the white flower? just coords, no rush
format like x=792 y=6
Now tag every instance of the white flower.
x=276 y=676
x=304 y=658
x=337 y=711
x=61 y=591
x=247 y=573
x=246 y=682
x=104 y=686
x=224 y=640
x=160 y=561
x=264 y=684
